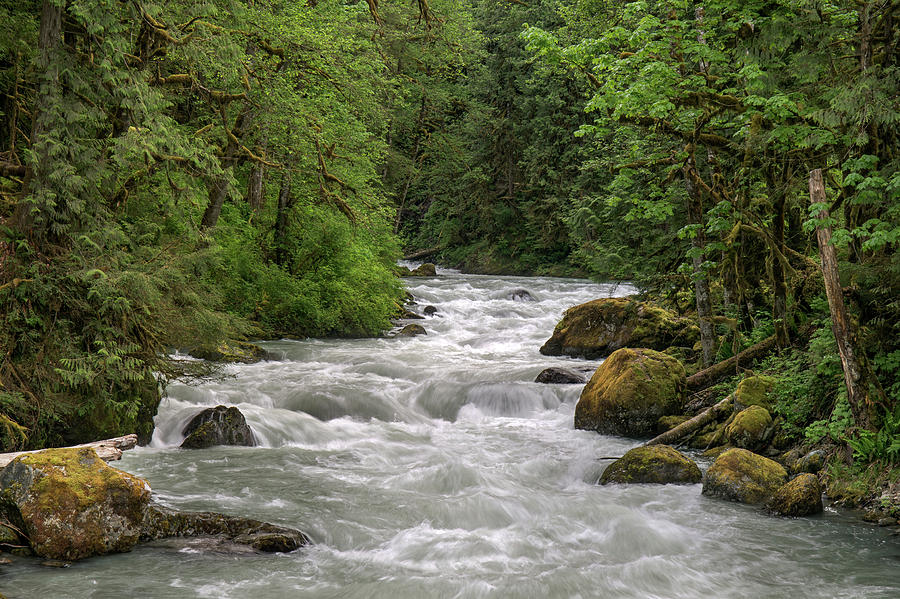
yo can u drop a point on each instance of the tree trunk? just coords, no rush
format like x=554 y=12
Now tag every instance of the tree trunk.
x=255 y=188
x=851 y=359
x=218 y=190
x=282 y=219
x=779 y=288
x=694 y=424
x=420 y=121
x=108 y=450
x=701 y=282
x=716 y=372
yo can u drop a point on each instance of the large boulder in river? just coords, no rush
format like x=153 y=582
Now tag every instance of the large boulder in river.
x=598 y=328
x=71 y=504
x=230 y=352
x=743 y=476
x=559 y=376
x=218 y=426
x=658 y=464
x=750 y=428
x=629 y=393
x=800 y=497
x=412 y=330
x=425 y=270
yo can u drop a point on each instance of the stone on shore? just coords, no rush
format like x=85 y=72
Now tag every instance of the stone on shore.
x=412 y=330
x=743 y=476
x=218 y=426
x=630 y=392
x=598 y=328
x=656 y=464
x=750 y=428
x=800 y=497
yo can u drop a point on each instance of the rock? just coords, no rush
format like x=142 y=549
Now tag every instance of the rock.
x=9 y=538
x=160 y=523
x=750 y=428
x=711 y=436
x=740 y=475
x=667 y=423
x=430 y=311
x=800 y=497
x=71 y=504
x=559 y=376
x=409 y=314
x=230 y=352
x=411 y=330
x=425 y=270
x=521 y=295
x=629 y=393
x=402 y=271
x=217 y=426
x=659 y=464
x=754 y=391
x=598 y=328
x=811 y=463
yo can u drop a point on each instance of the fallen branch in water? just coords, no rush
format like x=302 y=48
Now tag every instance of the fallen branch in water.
x=109 y=450
x=712 y=375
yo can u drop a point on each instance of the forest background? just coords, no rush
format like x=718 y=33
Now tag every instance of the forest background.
x=174 y=174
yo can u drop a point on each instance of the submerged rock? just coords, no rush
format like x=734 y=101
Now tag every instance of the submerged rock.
x=800 y=497
x=409 y=314
x=658 y=464
x=71 y=504
x=598 y=328
x=230 y=352
x=750 y=428
x=411 y=330
x=743 y=476
x=430 y=311
x=521 y=295
x=629 y=393
x=218 y=426
x=559 y=376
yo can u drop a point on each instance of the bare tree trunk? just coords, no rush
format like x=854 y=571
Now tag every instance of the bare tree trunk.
x=701 y=283
x=282 y=219
x=255 y=188
x=854 y=379
x=779 y=288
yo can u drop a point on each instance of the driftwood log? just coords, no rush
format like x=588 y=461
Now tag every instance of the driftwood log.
x=423 y=253
x=109 y=450
x=694 y=424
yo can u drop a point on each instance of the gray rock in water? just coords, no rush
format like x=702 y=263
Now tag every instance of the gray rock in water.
x=559 y=376
x=411 y=330
x=521 y=295
x=430 y=310
x=218 y=426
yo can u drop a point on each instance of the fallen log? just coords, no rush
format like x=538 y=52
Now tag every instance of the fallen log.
x=712 y=375
x=423 y=253
x=109 y=450
x=694 y=424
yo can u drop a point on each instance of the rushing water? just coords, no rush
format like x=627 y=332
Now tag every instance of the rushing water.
x=432 y=467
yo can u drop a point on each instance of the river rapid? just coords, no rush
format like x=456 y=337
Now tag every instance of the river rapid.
x=433 y=467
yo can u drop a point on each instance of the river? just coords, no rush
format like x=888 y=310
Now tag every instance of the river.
x=432 y=467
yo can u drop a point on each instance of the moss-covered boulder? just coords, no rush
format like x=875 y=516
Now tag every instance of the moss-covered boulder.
x=412 y=330
x=71 y=504
x=658 y=464
x=750 y=428
x=598 y=328
x=800 y=497
x=230 y=352
x=629 y=393
x=741 y=475
x=218 y=426
x=754 y=391
x=425 y=270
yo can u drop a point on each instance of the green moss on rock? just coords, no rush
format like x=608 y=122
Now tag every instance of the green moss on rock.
x=743 y=476
x=657 y=464
x=630 y=392
x=230 y=352
x=749 y=428
x=800 y=497
x=71 y=504
x=755 y=391
x=597 y=328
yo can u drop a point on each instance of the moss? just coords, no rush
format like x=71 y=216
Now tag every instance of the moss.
x=800 y=497
x=230 y=352
x=749 y=428
x=629 y=393
x=740 y=475
x=657 y=464
x=667 y=423
x=711 y=436
x=755 y=391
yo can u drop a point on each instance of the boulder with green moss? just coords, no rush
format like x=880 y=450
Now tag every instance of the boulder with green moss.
x=630 y=392
x=754 y=391
x=658 y=464
x=800 y=497
x=750 y=428
x=425 y=270
x=230 y=352
x=71 y=504
x=743 y=476
x=598 y=328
